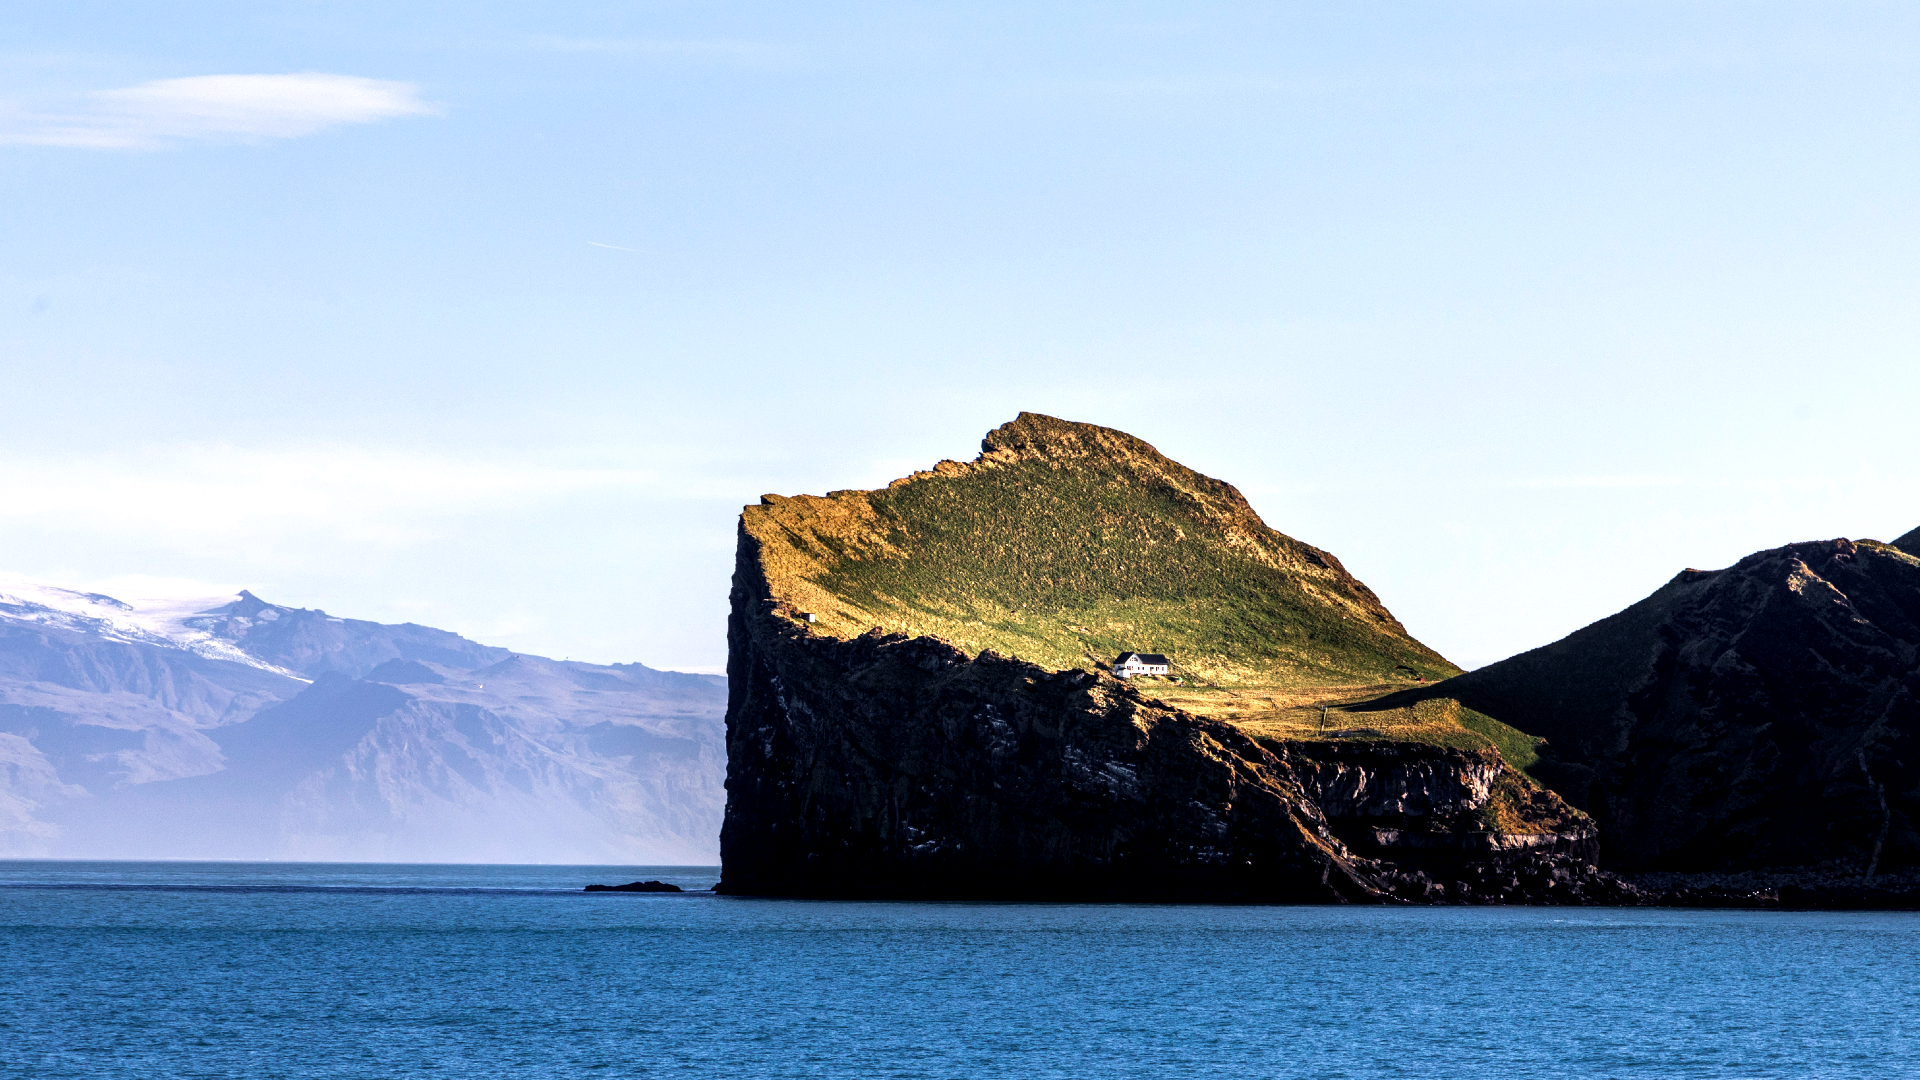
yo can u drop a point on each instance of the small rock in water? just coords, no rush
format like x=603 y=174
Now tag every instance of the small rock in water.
x=634 y=886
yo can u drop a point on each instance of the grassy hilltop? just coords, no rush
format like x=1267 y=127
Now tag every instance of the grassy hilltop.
x=1067 y=543
x=862 y=763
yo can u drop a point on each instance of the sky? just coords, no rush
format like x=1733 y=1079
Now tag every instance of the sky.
x=492 y=316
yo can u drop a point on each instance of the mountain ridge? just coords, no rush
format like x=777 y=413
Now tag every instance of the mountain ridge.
x=1750 y=718
x=229 y=727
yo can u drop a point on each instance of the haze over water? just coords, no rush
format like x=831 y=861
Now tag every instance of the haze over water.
x=314 y=970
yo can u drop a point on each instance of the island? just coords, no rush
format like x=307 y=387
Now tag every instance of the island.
x=922 y=703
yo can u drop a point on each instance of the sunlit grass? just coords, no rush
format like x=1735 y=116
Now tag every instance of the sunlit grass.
x=1068 y=567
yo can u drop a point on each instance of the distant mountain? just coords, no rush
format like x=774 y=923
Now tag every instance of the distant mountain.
x=1762 y=716
x=1909 y=543
x=313 y=643
x=229 y=727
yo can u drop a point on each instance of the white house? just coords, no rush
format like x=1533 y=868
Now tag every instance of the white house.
x=1129 y=664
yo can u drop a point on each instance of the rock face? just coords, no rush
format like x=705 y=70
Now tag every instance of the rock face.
x=1411 y=803
x=893 y=766
x=877 y=763
x=1761 y=716
x=896 y=766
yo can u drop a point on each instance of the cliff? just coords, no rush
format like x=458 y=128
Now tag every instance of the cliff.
x=1756 y=717
x=916 y=705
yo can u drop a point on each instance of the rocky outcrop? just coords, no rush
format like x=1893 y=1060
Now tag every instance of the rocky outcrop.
x=1417 y=804
x=895 y=766
x=888 y=765
x=1396 y=780
x=634 y=886
x=884 y=740
x=1795 y=889
x=1757 y=717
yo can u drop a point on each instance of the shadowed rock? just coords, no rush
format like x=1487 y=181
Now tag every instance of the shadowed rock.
x=863 y=762
x=1758 y=716
x=634 y=886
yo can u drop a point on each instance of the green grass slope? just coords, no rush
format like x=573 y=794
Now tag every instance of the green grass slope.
x=1067 y=543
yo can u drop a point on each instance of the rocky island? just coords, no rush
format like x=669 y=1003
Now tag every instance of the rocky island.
x=920 y=703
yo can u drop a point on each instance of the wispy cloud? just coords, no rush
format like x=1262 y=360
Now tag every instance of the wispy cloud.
x=548 y=554
x=711 y=48
x=214 y=108
x=612 y=247
x=193 y=495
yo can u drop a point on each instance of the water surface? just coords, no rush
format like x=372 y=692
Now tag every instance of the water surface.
x=317 y=970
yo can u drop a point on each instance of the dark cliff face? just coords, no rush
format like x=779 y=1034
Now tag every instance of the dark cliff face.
x=887 y=765
x=1754 y=717
x=884 y=740
x=1411 y=803
x=884 y=765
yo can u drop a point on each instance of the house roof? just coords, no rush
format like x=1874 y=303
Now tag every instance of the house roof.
x=1145 y=658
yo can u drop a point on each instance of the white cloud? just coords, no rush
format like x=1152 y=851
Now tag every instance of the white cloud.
x=215 y=108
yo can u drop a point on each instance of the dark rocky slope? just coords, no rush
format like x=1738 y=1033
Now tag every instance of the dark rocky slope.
x=869 y=763
x=1762 y=716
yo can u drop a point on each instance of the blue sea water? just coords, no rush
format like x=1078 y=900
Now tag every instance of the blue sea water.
x=312 y=970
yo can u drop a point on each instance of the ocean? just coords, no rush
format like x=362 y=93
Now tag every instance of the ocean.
x=261 y=970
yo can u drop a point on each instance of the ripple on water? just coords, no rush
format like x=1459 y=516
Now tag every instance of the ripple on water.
x=239 y=970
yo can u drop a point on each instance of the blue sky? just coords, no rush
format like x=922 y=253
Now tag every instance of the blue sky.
x=492 y=316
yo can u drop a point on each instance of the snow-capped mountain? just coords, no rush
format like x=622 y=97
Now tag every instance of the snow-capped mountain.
x=227 y=727
x=186 y=623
